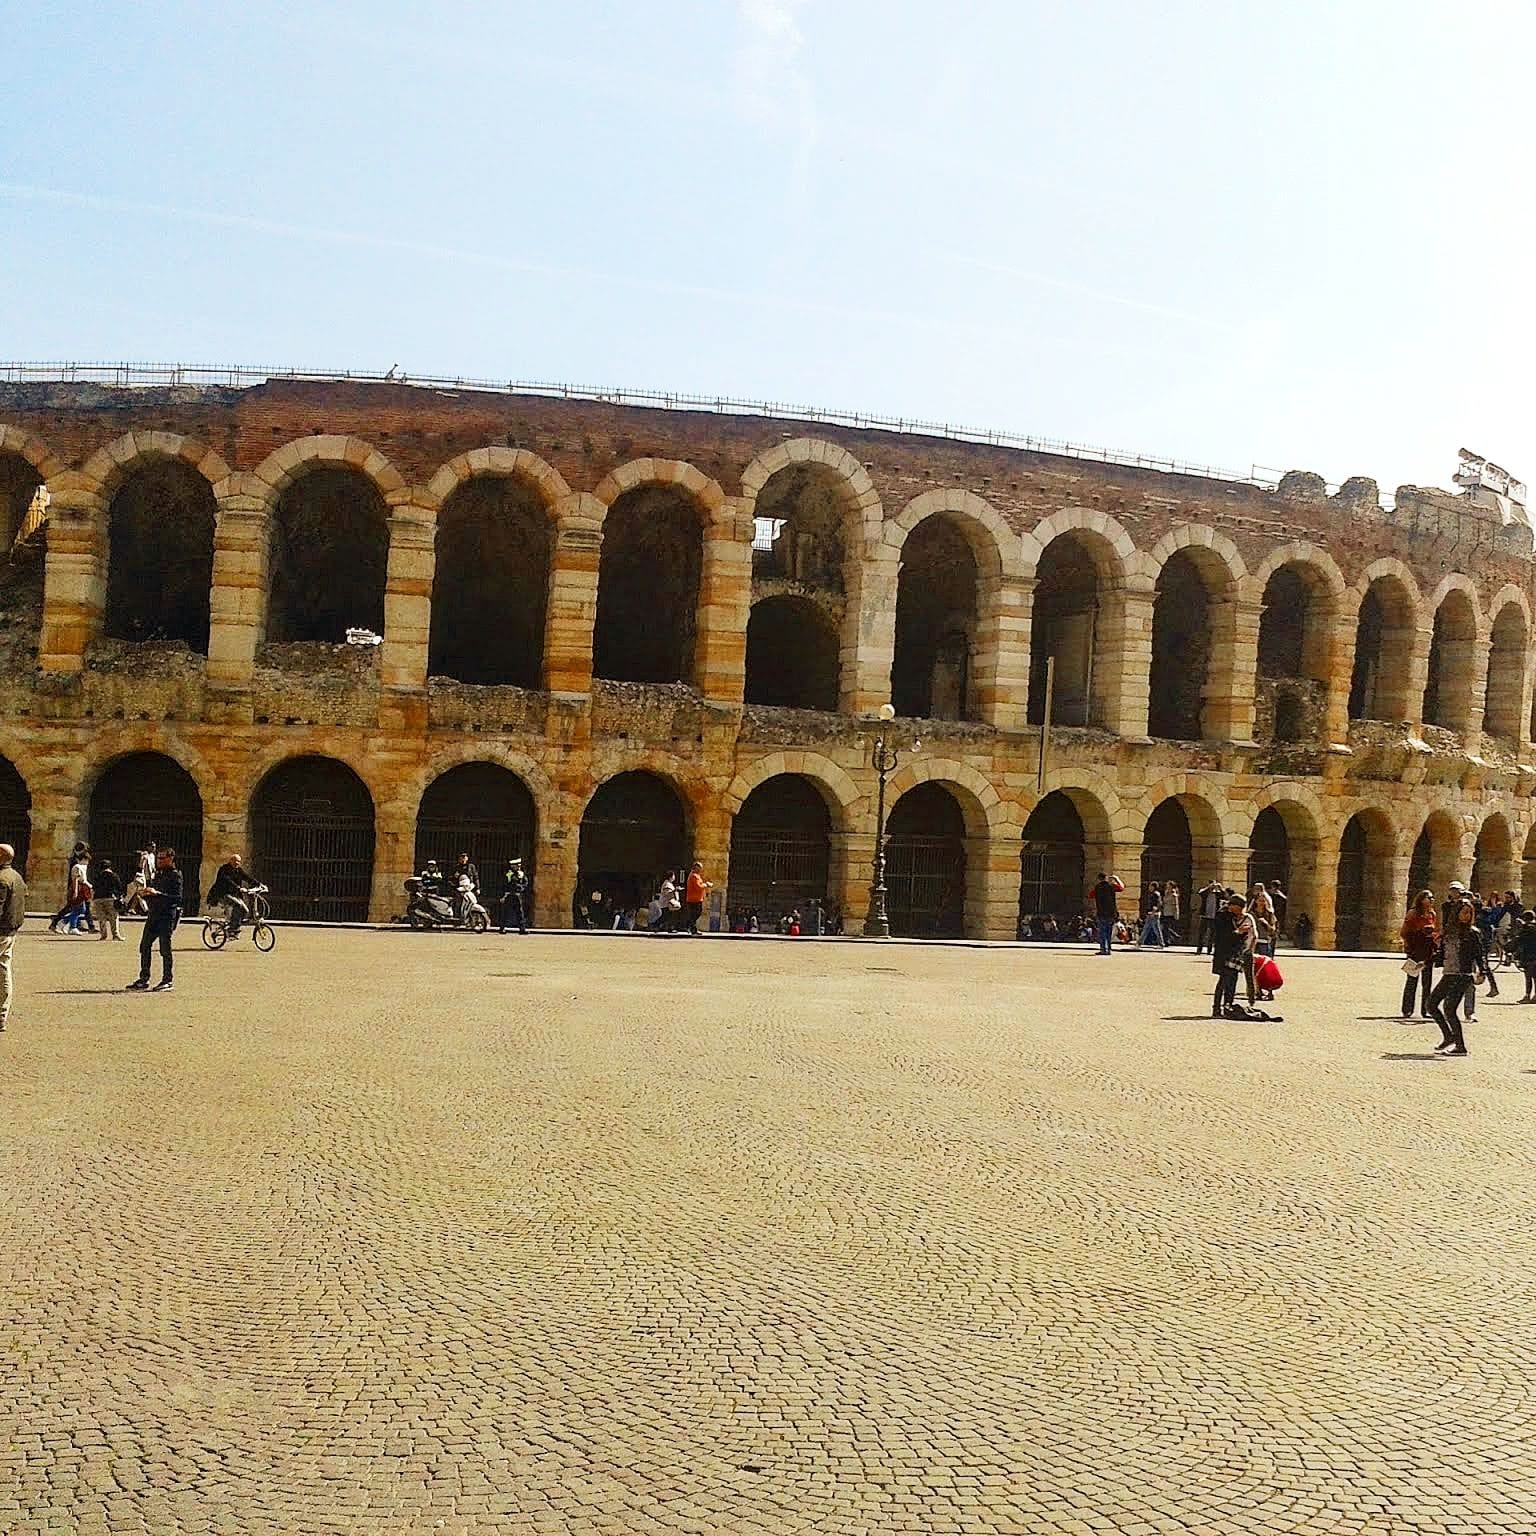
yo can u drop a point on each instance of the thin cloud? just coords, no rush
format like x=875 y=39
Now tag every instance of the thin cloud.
x=1099 y=295
x=775 y=90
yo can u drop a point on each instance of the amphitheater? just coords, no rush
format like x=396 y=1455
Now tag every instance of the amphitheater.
x=616 y=637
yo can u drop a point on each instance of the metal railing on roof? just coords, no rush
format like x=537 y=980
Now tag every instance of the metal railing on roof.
x=244 y=376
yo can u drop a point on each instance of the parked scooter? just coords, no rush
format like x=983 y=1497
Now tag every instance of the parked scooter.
x=431 y=909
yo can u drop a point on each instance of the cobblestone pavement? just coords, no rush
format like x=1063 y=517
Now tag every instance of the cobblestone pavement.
x=427 y=1233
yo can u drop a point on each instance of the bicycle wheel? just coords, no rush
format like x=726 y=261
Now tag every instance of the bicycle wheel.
x=214 y=933
x=263 y=936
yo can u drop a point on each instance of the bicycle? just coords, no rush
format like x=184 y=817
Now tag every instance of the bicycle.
x=216 y=932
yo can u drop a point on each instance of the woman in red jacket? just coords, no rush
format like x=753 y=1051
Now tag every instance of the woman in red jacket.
x=1421 y=937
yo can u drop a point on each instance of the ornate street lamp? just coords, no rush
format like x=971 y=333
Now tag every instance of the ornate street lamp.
x=883 y=760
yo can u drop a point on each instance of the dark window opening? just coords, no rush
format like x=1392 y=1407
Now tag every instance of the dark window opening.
x=15 y=813
x=142 y=798
x=1168 y=852
x=160 y=556
x=1283 y=622
x=1064 y=626
x=18 y=485
x=800 y=513
x=792 y=654
x=1052 y=861
x=1350 y=890
x=780 y=849
x=925 y=864
x=330 y=555
x=935 y=618
x=481 y=809
x=491 y=587
x=1269 y=850
x=1181 y=649
x=634 y=831
x=1364 y=682
x=312 y=841
x=1290 y=717
x=648 y=588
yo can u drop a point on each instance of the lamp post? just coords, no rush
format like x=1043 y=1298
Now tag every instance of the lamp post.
x=883 y=760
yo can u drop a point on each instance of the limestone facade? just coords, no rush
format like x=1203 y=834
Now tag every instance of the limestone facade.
x=1362 y=673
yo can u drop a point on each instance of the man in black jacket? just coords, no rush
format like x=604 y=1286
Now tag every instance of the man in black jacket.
x=229 y=886
x=164 y=898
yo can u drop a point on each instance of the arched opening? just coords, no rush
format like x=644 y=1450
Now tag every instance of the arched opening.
x=18 y=485
x=160 y=556
x=15 y=812
x=1493 y=858
x=1383 y=652
x=1181 y=650
x=925 y=864
x=1506 y=674
x=792 y=654
x=21 y=565
x=1349 y=893
x=1269 y=850
x=491 y=586
x=1452 y=664
x=648 y=587
x=1436 y=857
x=1168 y=850
x=1528 y=870
x=1052 y=861
x=780 y=849
x=936 y=598
x=312 y=840
x=634 y=829
x=1068 y=615
x=799 y=514
x=1284 y=622
x=148 y=797
x=330 y=554
x=481 y=809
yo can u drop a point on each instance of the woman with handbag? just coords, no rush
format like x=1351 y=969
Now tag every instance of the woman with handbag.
x=1421 y=938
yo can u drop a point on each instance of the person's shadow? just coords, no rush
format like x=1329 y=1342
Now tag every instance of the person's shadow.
x=1410 y=1056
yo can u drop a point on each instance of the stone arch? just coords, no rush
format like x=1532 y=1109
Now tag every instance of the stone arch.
x=1303 y=819
x=15 y=809
x=492 y=567
x=1299 y=552
x=1211 y=817
x=1509 y=634
x=1082 y=564
x=265 y=761
x=313 y=827
x=434 y=767
x=294 y=459
x=1200 y=536
x=1194 y=632
x=943 y=589
x=983 y=809
x=510 y=463
x=1388 y=610
x=1452 y=683
x=935 y=860
x=1300 y=592
x=993 y=543
x=639 y=473
x=119 y=739
x=136 y=796
x=1366 y=902
x=109 y=466
x=863 y=500
x=1436 y=856
x=485 y=809
x=781 y=849
x=637 y=824
x=27 y=445
x=1493 y=856
x=842 y=794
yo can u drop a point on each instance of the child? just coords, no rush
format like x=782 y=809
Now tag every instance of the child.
x=1525 y=952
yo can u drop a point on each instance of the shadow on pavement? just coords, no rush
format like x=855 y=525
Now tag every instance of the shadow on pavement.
x=1411 y=1056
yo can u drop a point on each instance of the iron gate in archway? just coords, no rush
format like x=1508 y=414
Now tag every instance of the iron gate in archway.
x=312 y=841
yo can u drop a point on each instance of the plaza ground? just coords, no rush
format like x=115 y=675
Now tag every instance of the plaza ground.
x=427 y=1233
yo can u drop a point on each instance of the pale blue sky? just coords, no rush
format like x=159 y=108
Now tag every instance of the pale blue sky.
x=1296 y=234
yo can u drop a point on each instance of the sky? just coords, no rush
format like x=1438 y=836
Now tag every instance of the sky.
x=1286 y=236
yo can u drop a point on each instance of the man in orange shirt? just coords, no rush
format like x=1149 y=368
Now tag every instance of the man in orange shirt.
x=694 y=894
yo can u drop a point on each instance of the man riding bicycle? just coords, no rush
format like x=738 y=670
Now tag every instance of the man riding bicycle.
x=229 y=886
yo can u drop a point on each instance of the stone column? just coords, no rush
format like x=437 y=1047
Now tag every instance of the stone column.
x=711 y=843
x=74 y=572
x=394 y=858
x=852 y=869
x=1418 y=677
x=1386 y=900
x=1338 y=651
x=992 y=874
x=237 y=602
x=1315 y=888
x=1472 y=732
x=1231 y=671
x=1123 y=659
x=725 y=602
x=1232 y=866
x=57 y=822
x=572 y=610
x=554 y=874
x=408 y=599
x=869 y=637
x=1002 y=651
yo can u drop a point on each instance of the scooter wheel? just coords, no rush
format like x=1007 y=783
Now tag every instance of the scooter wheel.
x=478 y=922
